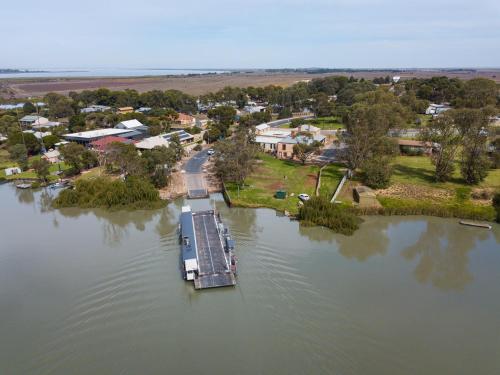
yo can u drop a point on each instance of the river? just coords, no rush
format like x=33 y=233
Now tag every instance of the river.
x=96 y=292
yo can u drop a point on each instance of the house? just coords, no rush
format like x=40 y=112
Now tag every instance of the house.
x=95 y=108
x=436 y=109
x=49 y=124
x=284 y=147
x=3 y=138
x=87 y=137
x=52 y=156
x=186 y=120
x=100 y=145
x=38 y=135
x=12 y=171
x=396 y=79
x=164 y=140
x=410 y=146
x=143 y=109
x=123 y=110
x=307 y=128
x=132 y=125
x=201 y=121
x=30 y=120
x=254 y=108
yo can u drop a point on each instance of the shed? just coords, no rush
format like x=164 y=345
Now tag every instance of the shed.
x=12 y=171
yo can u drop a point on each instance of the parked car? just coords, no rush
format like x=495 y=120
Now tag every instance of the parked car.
x=211 y=151
x=304 y=197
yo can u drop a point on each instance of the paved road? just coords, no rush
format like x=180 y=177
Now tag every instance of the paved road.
x=330 y=153
x=194 y=177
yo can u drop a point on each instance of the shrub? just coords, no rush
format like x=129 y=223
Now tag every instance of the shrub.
x=319 y=211
x=197 y=147
x=377 y=173
x=107 y=193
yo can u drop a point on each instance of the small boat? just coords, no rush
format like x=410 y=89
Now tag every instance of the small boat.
x=23 y=186
x=58 y=185
x=474 y=224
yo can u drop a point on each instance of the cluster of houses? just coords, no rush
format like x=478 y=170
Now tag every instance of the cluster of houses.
x=128 y=132
x=280 y=141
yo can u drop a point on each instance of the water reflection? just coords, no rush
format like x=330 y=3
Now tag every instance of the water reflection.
x=442 y=250
x=25 y=196
x=371 y=239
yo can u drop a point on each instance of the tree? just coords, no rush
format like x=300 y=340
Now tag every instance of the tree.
x=442 y=132
x=72 y=155
x=322 y=106
x=478 y=93
x=126 y=158
x=223 y=115
x=28 y=139
x=61 y=108
x=50 y=140
x=235 y=158
x=367 y=127
x=176 y=146
x=473 y=126
x=160 y=161
x=305 y=148
x=41 y=167
x=286 y=112
x=28 y=108
x=19 y=154
x=89 y=159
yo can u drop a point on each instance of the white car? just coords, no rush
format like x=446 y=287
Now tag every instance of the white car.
x=303 y=197
x=211 y=151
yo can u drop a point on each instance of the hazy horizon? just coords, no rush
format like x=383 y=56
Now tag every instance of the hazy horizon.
x=224 y=34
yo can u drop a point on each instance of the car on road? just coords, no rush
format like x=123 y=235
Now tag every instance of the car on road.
x=304 y=197
x=211 y=151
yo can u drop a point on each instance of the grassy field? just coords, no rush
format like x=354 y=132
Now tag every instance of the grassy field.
x=327 y=123
x=414 y=192
x=330 y=178
x=419 y=170
x=273 y=174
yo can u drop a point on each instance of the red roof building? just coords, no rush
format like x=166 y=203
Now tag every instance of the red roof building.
x=100 y=145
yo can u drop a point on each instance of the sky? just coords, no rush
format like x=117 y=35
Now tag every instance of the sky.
x=250 y=34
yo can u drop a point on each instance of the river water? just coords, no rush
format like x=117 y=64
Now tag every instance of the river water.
x=94 y=292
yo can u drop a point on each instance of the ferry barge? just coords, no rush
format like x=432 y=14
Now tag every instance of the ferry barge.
x=207 y=250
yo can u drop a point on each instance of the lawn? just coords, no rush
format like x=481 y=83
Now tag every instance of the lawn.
x=414 y=192
x=274 y=174
x=330 y=178
x=419 y=170
x=326 y=123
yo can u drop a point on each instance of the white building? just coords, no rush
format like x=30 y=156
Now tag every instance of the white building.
x=31 y=120
x=436 y=109
x=132 y=125
x=163 y=140
x=95 y=108
x=12 y=171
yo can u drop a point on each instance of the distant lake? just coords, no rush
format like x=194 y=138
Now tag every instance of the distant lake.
x=106 y=72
